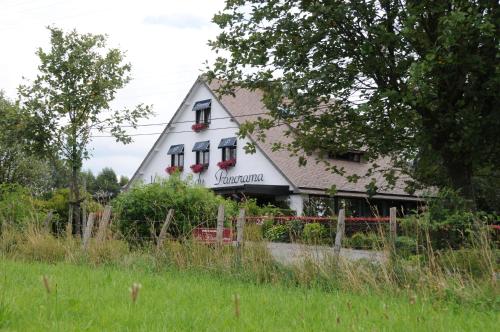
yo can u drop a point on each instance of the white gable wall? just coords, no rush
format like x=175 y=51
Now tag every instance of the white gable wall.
x=180 y=132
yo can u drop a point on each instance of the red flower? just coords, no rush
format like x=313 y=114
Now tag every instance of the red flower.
x=197 y=168
x=172 y=169
x=226 y=163
x=197 y=127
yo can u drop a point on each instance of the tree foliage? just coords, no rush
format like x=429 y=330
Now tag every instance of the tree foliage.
x=416 y=81
x=144 y=207
x=70 y=100
x=17 y=164
x=106 y=183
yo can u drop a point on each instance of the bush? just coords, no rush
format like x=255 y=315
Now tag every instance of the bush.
x=144 y=207
x=448 y=221
x=17 y=207
x=252 y=209
x=364 y=241
x=296 y=229
x=314 y=233
x=406 y=246
x=357 y=241
x=266 y=225
x=58 y=202
x=277 y=233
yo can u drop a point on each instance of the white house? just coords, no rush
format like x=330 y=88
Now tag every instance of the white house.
x=201 y=142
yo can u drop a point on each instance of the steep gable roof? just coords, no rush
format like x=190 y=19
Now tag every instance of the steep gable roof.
x=247 y=105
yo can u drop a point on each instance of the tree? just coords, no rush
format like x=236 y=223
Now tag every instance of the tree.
x=17 y=164
x=416 y=81
x=124 y=180
x=107 y=184
x=90 y=181
x=70 y=100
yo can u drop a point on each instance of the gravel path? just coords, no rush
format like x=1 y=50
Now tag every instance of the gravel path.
x=293 y=253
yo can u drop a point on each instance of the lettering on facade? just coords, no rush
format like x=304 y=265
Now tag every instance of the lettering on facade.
x=221 y=177
x=199 y=181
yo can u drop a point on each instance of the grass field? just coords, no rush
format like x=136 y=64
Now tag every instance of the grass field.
x=98 y=299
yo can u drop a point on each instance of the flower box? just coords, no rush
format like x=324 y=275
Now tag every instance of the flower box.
x=172 y=169
x=197 y=168
x=226 y=163
x=197 y=127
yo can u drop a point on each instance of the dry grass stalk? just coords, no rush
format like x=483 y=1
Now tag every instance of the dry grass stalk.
x=237 y=305
x=134 y=291
x=46 y=283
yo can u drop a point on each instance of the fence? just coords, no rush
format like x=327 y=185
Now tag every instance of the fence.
x=340 y=222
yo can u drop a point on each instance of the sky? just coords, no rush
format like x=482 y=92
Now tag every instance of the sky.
x=165 y=41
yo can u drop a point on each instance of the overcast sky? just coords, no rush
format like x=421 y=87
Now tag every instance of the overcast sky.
x=166 y=43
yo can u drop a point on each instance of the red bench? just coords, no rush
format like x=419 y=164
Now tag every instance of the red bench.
x=209 y=235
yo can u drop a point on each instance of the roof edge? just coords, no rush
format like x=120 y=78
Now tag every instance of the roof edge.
x=148 y=155
x=294 y=186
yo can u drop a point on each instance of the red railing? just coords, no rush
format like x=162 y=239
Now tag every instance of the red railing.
x=283 y=219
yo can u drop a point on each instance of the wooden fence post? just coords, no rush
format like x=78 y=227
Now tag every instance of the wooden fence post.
x=220 y=225
x=88 y=230
x=392 y=226
x=240 y=224
x=340 y=232
x=103 y=224
x=47 y=223
x=164 y=227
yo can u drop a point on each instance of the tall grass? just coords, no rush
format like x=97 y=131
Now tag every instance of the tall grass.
x=464 y=276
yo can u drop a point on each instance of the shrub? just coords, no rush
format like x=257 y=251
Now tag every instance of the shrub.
x=448 y=221
x=406 y=246
x=365 y=241
x=252 y=209
x=144 y=207
x=296 y=229
x=357 y=241
x=266 y=225
x=58 y=202
x=277 y=233
x=17 y=206
x=314 y=233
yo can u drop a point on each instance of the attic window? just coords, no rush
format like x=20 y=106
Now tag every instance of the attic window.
x=202 y=109
x=349 y=156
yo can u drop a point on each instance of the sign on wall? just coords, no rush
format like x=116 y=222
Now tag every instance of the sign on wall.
x=221 y=177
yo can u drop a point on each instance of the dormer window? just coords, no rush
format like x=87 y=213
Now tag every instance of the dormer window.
x=202 y=114
x=228 y=148
x=354 y=156
x=176 y=153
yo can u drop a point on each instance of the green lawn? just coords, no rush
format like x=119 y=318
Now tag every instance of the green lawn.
x=98 y=299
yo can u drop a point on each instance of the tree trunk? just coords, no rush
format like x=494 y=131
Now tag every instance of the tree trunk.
x=75 y=201
x=460 y=174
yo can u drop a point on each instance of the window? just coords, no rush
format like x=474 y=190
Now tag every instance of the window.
x=177 y=160
x=176 y=153
x=203 y=157
x=229 y=153
x=349 y=156
x=202 y=150
x=202 y=109
x=228 y=146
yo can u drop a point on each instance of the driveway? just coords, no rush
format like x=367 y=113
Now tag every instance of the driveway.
x=293 y=253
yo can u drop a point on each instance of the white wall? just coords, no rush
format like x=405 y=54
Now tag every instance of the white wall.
x=181 y=133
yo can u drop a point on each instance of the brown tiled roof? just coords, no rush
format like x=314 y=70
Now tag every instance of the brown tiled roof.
x=312 y=178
